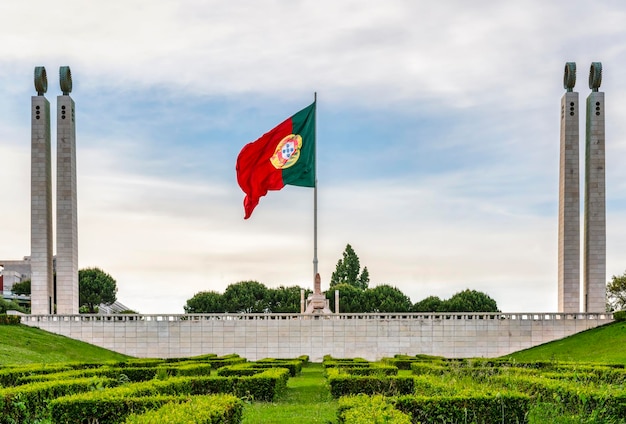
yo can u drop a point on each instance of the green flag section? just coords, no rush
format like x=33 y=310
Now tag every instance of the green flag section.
x=284 y=155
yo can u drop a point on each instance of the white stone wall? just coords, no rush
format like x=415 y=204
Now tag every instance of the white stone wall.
x=370 y=336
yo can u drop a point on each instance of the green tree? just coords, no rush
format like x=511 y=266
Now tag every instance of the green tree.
x=470 y=301
x=95 y=287
x=348 y=269
x=351 y=299
x=285 y=299
x=9 y=305
x=430 y=304
x=205 y=302
x=616 y=292
x=385 y=298
x=246 y=297
x=21 y=288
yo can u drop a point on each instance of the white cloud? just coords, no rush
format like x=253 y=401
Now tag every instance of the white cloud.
x=475 y=89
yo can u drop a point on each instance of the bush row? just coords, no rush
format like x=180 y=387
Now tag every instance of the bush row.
x=403 y=362
x=9 y=376
x=604 y=401
x=251 y=368
x=584 y=389
x=115 y=404
x=481 y=371
x=29 y=402
x=127 y=373
x=359 y=366
x=9 y=319
x=330 y=362
x=361 y=409
x=214 y=409
x=342 y=384
x=107 y=410
x=473 y=408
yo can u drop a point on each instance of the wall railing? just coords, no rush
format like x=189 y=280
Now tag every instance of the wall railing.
x=522 y=316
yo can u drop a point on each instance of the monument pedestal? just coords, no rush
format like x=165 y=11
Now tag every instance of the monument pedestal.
x=316 y=303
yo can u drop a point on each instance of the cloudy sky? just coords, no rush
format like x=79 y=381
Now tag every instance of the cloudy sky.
x=438 y=138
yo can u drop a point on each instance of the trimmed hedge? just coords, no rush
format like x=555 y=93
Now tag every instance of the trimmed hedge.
x=403 y=362
x=619 y=316
x=486 y=408
x=252 y=368
x=106 y=410
x=604 y=401
x=342 y=384
x=9 y=319
x=214 y=409
x=10 y=376
x=29 y=402
x=131 y=374
x=293 y=365
x=222 y=361
x=361 y=409
x=373 y=369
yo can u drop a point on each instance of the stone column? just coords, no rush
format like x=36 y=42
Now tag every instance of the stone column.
x=42 y=288
x=569 y=206
x=595 y=198
x=67 y=215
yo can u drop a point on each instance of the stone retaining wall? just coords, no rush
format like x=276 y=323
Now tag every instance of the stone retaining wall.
x=370 y=336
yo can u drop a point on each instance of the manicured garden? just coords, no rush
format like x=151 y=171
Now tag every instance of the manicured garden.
x=520 y=388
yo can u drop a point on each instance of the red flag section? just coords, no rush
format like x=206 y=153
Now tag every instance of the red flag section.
x=284 y=155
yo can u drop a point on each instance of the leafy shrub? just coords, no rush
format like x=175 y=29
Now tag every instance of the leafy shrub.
x=363 y=409
x=103 y=408
x=293 y=365
x=346 y=384
x=619 y=316
x=29 y=402
x=215 y=409
x=9 y=319
x=478 y=408
x=11 y=376
x=222 y=361
x=251 y=368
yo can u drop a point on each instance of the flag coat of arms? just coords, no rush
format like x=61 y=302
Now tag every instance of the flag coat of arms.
x=284 y=155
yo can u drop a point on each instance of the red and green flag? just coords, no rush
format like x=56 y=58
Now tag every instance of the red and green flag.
x=284 y=155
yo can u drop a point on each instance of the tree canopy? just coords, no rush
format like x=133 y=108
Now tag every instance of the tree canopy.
x=95 y=287
x=351 y=298
x=385 y=298
x=205 y=302
x=616 y=292
x=463 y=301
x=430 y=304
x=247 y=297
x=21 y=288
x=255 y=297
x=471 y=301
x=348 y=271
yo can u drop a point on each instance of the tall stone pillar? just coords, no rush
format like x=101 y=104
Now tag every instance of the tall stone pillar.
x=42 y=288
x=67 y=215
x=569 y=198
x=594 y=264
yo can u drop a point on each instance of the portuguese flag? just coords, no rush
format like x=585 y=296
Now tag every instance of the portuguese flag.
x=284 y=155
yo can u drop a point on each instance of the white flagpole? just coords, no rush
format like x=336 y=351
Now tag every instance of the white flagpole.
x=315 y=195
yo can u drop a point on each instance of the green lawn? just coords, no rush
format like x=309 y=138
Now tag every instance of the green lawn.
x=20 y=344
x=307 y=400
x=602 y=344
